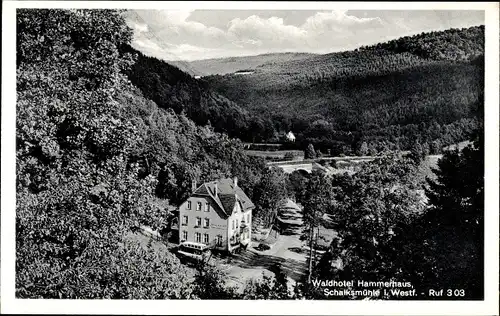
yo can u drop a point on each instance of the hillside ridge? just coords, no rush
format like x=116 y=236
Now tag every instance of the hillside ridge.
x=389 y=95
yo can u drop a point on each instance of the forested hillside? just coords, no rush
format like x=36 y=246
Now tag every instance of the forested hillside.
x=95 y=159
x=221 y=66
x=426 y=89
x=171 y=88
x=452 y=44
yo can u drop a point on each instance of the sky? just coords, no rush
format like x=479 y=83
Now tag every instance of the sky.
x=201 y=34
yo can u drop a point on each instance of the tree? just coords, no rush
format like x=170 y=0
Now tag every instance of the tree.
x=317 y=200
x=210 y=284
x=296 y=184
x=269 y=193
x=436 y=147
x=459 y=188
x=288 y=156
x=363 y=149
x=405 y=68
x=78 y=194
x=454 y=223
x=269 y=288
x=386 y=231
x=310 y=152
x=171 y=88
x=369 y=206
x=417 y=152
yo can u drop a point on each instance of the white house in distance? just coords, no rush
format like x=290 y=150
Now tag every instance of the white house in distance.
x=290 y=137
x=218 y=214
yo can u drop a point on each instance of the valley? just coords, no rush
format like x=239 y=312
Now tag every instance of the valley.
x=244 y=177
x=223 y=66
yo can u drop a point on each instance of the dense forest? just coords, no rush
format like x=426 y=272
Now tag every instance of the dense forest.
x=398 y=95
x=424 y=89
x=452 y=44
x=96 y=156
x=95 y=159
x=171 y=88
x=222 y=66
x=387 y=230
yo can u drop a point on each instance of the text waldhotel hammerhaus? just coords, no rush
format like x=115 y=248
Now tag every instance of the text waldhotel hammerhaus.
x=364 y=284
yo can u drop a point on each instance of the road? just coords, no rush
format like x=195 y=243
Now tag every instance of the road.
x=288 y=252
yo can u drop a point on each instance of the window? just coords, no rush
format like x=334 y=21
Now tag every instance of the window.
x=207 y=207
x=198 y=206
x=206 y=224
x=198 y=221
x=237 y=223
x=218 y=240
x=232 y=225
x=184 y=220
x=206 y=238
x=197 y=237
x=248 y=218
x=184 y=235
x=189 y=205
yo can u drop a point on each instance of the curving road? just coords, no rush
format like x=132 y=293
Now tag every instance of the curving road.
x=288 y=252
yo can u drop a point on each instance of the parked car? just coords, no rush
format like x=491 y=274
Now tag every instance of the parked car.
x=262 y=247
x=193 y=251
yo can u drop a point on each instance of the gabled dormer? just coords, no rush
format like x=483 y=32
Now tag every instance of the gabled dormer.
x=226 y=195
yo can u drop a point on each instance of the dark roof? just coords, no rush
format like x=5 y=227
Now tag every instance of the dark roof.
x=226 y=196
x=227 y=201
x=202 y=190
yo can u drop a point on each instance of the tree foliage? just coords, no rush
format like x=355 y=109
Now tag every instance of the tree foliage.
x=77 y=191
x=296 y=184
x=316 y=201
x=269 y=193
x=451 y=44
x=171 y=88
x=269 y=287
x=453 y=227
x=96 y=159
x=310 y=152
x=388 y=96
x=210 y=283
x=367 y=209
x=390 y=229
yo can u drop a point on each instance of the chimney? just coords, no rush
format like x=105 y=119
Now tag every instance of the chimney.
x=235 y=182
x=193 y=186
x=215 y=188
